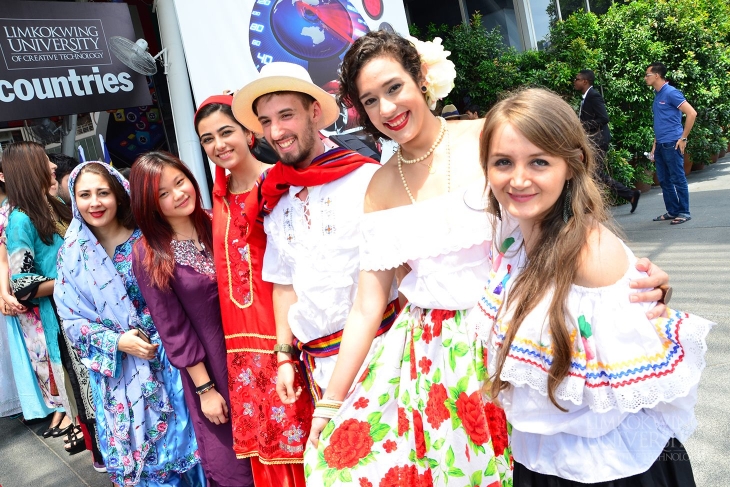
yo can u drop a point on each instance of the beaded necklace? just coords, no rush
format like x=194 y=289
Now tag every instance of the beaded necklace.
x=401 y=160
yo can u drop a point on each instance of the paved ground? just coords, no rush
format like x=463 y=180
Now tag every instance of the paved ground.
x=29 y=460
x=697 y=257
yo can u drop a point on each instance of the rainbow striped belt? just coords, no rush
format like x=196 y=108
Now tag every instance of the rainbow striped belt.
x=329 y=345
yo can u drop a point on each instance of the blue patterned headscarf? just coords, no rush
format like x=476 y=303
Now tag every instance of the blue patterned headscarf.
x=95 y=310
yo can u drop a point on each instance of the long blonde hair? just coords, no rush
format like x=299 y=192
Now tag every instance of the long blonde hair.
x=551 y=124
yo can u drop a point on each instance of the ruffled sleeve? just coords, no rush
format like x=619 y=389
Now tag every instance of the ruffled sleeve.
x=424 y=230
x=621 y=363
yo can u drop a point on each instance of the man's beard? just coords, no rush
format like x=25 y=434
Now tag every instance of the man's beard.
x=306 y=143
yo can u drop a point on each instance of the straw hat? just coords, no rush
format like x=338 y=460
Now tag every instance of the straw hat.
x=449 y=112
x=281 y=76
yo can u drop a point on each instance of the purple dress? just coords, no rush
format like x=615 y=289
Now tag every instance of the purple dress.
x=188 y=318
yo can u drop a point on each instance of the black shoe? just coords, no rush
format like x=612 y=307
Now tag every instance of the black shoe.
x=635 y=200
x=52 y=430
x=62 y=432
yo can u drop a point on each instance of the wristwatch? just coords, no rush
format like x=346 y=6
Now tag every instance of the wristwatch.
x=683 y=139
x=284 y=348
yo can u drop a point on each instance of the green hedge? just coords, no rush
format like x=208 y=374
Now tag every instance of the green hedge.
x=691 y=37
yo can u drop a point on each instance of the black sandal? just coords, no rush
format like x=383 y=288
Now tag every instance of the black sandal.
x=664 y=218
x=76 y=431
x=76 y=443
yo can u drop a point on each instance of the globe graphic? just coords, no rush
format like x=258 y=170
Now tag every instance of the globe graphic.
x=312 y=29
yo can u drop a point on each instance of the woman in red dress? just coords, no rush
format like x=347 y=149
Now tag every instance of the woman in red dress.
x=268 y=432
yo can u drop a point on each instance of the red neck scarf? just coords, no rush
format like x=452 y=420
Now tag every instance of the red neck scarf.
x=328 y=167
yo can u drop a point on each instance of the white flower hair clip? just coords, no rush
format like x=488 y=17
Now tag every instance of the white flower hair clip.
x=440 y=72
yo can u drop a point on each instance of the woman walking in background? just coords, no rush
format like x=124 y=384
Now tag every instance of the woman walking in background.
x=272 y=434
x=143 y=423
x=174 y=266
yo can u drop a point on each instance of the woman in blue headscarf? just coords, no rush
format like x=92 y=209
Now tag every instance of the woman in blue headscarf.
x=144 y=427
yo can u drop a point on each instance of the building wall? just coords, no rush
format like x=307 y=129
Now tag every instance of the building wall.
x=523 y=23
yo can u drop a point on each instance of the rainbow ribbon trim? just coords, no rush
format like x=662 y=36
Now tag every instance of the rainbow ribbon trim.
x=329 y=345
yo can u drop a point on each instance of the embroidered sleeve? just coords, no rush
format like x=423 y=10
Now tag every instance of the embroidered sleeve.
x=94 y=339
x=21 y=257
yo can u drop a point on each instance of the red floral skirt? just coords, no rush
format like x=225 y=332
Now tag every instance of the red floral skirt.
x=262 y=425
x=417 y=416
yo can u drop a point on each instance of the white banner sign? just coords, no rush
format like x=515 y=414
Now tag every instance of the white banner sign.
x=227 y=41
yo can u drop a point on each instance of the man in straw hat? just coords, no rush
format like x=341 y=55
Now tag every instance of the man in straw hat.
x=450 y=112
x=311 y=200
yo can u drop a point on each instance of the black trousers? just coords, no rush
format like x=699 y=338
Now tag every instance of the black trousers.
x=671 y=469
x=613 y=186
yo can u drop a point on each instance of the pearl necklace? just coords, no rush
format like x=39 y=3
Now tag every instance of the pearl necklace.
x=448 y=170
x=440 y=137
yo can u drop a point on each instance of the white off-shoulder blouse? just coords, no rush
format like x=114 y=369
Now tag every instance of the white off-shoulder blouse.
x=445 y=240
x=632 y=383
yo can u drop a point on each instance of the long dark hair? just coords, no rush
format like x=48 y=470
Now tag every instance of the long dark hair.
x=27 y=182
x=144 y=184
x=549 y=123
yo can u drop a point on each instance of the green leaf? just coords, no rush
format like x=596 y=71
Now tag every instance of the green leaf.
x=446 y=343
x=437 y=375
x=345 y=475
x=383 y=398
x=470 y=369
x=369 y=458
x=327 y=431
x=438 y=444
x=369 y=380
x=427 y=438
x=394 y=380
x=476 y=479
x=329 y=477
x=450 y=457
x=461 y=349
x=456 y=472
x=462 y=385
x=452 y=359
x=374 y=418
x=433 y=463
x=491 y=468
x=412 y=456
x=406 y=397
x=307 y=470
x=378 y=432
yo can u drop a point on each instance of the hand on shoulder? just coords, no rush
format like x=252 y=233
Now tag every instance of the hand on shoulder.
x=603 y=259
